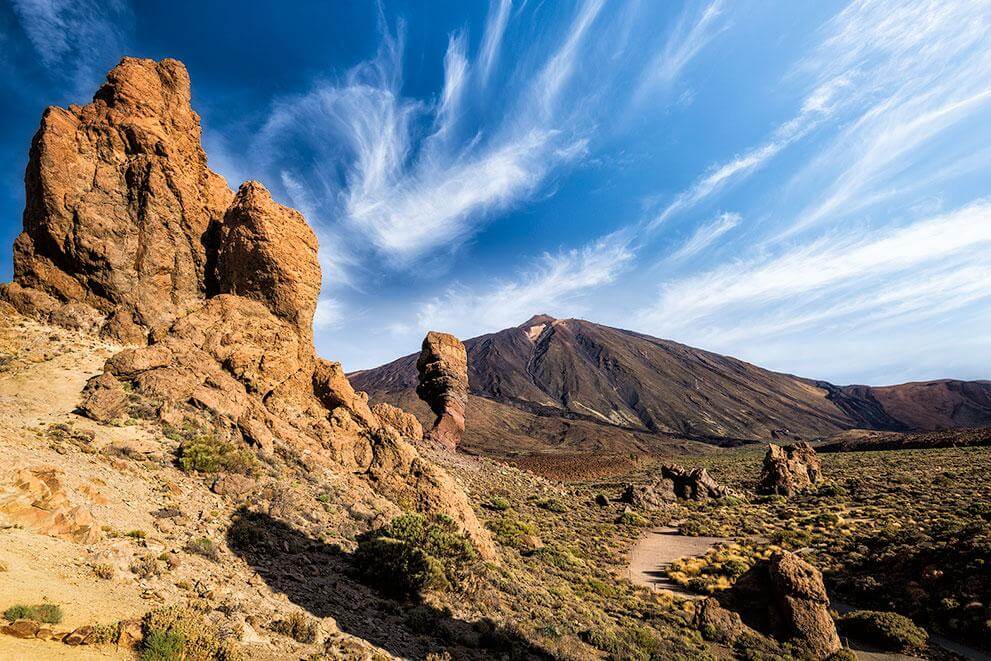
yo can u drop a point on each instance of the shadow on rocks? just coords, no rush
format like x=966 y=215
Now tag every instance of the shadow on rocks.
x=322 y=579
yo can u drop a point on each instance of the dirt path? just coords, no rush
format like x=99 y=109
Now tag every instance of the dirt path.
x=657 y=549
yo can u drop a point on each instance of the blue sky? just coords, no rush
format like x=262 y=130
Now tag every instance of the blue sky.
x=802 y=185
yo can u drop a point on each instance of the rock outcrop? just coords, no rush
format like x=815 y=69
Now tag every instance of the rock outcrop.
x=785 y=597
x=405 y=423
x=789 y=469
x=37 y=500
x=127 y=230
x=443 y=385
x=676 y=482
x=120 y=204
x=694 y=484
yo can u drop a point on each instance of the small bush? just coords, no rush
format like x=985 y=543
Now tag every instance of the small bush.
x=104 y=570
x=414 y=553
x=201 y=451
x=631 y=518
x=177 y=633
x=888 y=630
x=498 y=503
x=47 y=613
x=162 y=645
x=203 y=546
x=552 y=505
x=136 y=534
x=297 y=626
x=510 y=531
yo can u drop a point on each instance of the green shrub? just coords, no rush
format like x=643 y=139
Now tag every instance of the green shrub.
x=162 y=645
x=182 y=633
x=552 y=505
x=631 y=518
x=498 y=503
x=200 y=450
x=48 y=613
x=203 y=546
x=509 y=530
x=415 y=553
x=888 y=630
x=297 y=626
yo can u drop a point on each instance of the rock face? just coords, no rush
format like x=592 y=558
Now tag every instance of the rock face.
x=404 y=423
x=784 y=596
x=443 y=385
x=127 y=230
x=36 y=499
x=120 y=202
x=789 y=469
x=695 y=484
x=269 y=254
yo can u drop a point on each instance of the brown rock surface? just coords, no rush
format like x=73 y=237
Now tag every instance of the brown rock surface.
x=443 y=385
x=784 y=596
x=104 y=398
x=788 y=469
x=126 y=228
x=269 y=254
x=36 y=500
x=694 y=484
x=120 y=201
x=404 y=423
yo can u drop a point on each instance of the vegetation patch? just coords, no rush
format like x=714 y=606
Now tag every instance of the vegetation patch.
x=182 y=633
x=200 y=450
x=415 y=553
x=48 y=613
x=890 y=631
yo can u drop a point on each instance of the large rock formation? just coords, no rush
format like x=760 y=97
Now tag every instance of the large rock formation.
x=789 y=469
x=784 y=596
x=125 y=222
x=443 y=385
x=675 y=483
x=120 y=204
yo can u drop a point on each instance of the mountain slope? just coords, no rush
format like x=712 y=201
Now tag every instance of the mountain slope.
x=575 y=385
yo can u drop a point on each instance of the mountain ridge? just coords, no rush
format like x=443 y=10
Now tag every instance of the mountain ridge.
x=636 y=385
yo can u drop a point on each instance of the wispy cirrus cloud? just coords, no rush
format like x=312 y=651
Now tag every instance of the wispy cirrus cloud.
x=556 y=284
x=495 y=28
x=705 y=235
x=408 y=195
x=918 y=70
x=76 y=39
x=690 y=35
x=925 y=265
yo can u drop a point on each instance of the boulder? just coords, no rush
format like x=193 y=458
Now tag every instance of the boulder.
x=120 y=202
x=694 y=484
x=405 y=423
x=788 y=469
x=785 y=597
x=443 y=385
x=36 y=499
x=21 y=629
x=104 y=398
x=716 y=623
x=649 y=496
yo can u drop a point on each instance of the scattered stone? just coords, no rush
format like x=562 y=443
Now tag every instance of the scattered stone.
x=789 y=469
x=443 y=385
x=234 y=485
x=21 y=628
x=104 y=399
x=785 y=597
x=601 y=500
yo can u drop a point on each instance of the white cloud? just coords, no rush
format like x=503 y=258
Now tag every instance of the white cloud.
x=408 y=197
x=78 y=39
x=815 y=108
x=706 y=235
x=495 y=28
x=329 y=314
x=683 y=44
x=554 y=285
x=890 y=273
x=917 y=70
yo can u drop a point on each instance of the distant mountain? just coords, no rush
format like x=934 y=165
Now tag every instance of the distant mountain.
x=568 y=385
